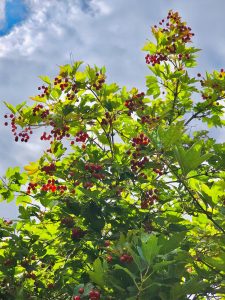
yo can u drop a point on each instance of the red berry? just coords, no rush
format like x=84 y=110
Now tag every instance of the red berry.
x=109 y=258
x=76 y=298
x=81 y=290
x=94 y=295
x=107 y=243
x=123 y=259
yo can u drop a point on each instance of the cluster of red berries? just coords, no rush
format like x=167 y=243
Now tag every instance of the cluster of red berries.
x=63 y=84
x=31 y=275
x=222 y=73
x=205 y=97
x=8 y=262
x=53 y=186
x=8 y=222
x=213 y=85
x=37 y=108
x=99 y=81
x=181 y=32
x=31 y=187
x=148 y=120
x=25 y=263
x=139 y=164
x=109 y=258
x=148 y=198
x=50 y=169
x=50 y=285
x=74 y=90
x=80 y=291
x=95 y=170
x=141 y=140
x=108 y=119
x=11 y=116
x=60 y=133
x=158 y=171
x=107 y=243
x=126 y=258
x=88 y=185
x=68 y=222
x=50 y=186
x=135 y=103
x=57 y=80
x=70 y=96
x=24 y=135
x=45 y=136
x=176 y=33
x=94 y=295
x=92 y=167
x=156 y=58
x=77 y=233
x=45 y=113
x=81 y=136
x=184 y=56
x=45 y=91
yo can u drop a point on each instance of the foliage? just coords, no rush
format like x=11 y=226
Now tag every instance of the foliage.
x=127 y=201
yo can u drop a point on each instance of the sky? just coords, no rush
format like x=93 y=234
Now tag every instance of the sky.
x=37 y=36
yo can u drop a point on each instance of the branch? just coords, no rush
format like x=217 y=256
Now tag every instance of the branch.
x=194 y=199
x=174 y=101
x=195 y=115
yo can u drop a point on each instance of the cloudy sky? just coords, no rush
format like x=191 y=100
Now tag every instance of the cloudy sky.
x=36 y=36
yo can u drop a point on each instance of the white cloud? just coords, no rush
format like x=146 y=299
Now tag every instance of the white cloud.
x=101 y=7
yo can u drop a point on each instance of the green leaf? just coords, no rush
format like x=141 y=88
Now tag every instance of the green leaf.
x=46 y=79
x=76 y=66
x=162 y=264
x=10 y=107
x=80 y=76
x=12 y=171
x=39 y=99
x=168 y=245
x=97 y=275
x=128 y=272
x=149 y=46
x=67 y=109
x=150 y=248
x=139 y=260
x=170 y=136
x=190 y=159
x=19 y=106
x=23 y=199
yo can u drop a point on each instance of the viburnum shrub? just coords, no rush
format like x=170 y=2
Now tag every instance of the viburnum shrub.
x=127 y=201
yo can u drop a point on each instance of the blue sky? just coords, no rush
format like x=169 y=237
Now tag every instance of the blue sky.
x=15 y=12
x=44 y=34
